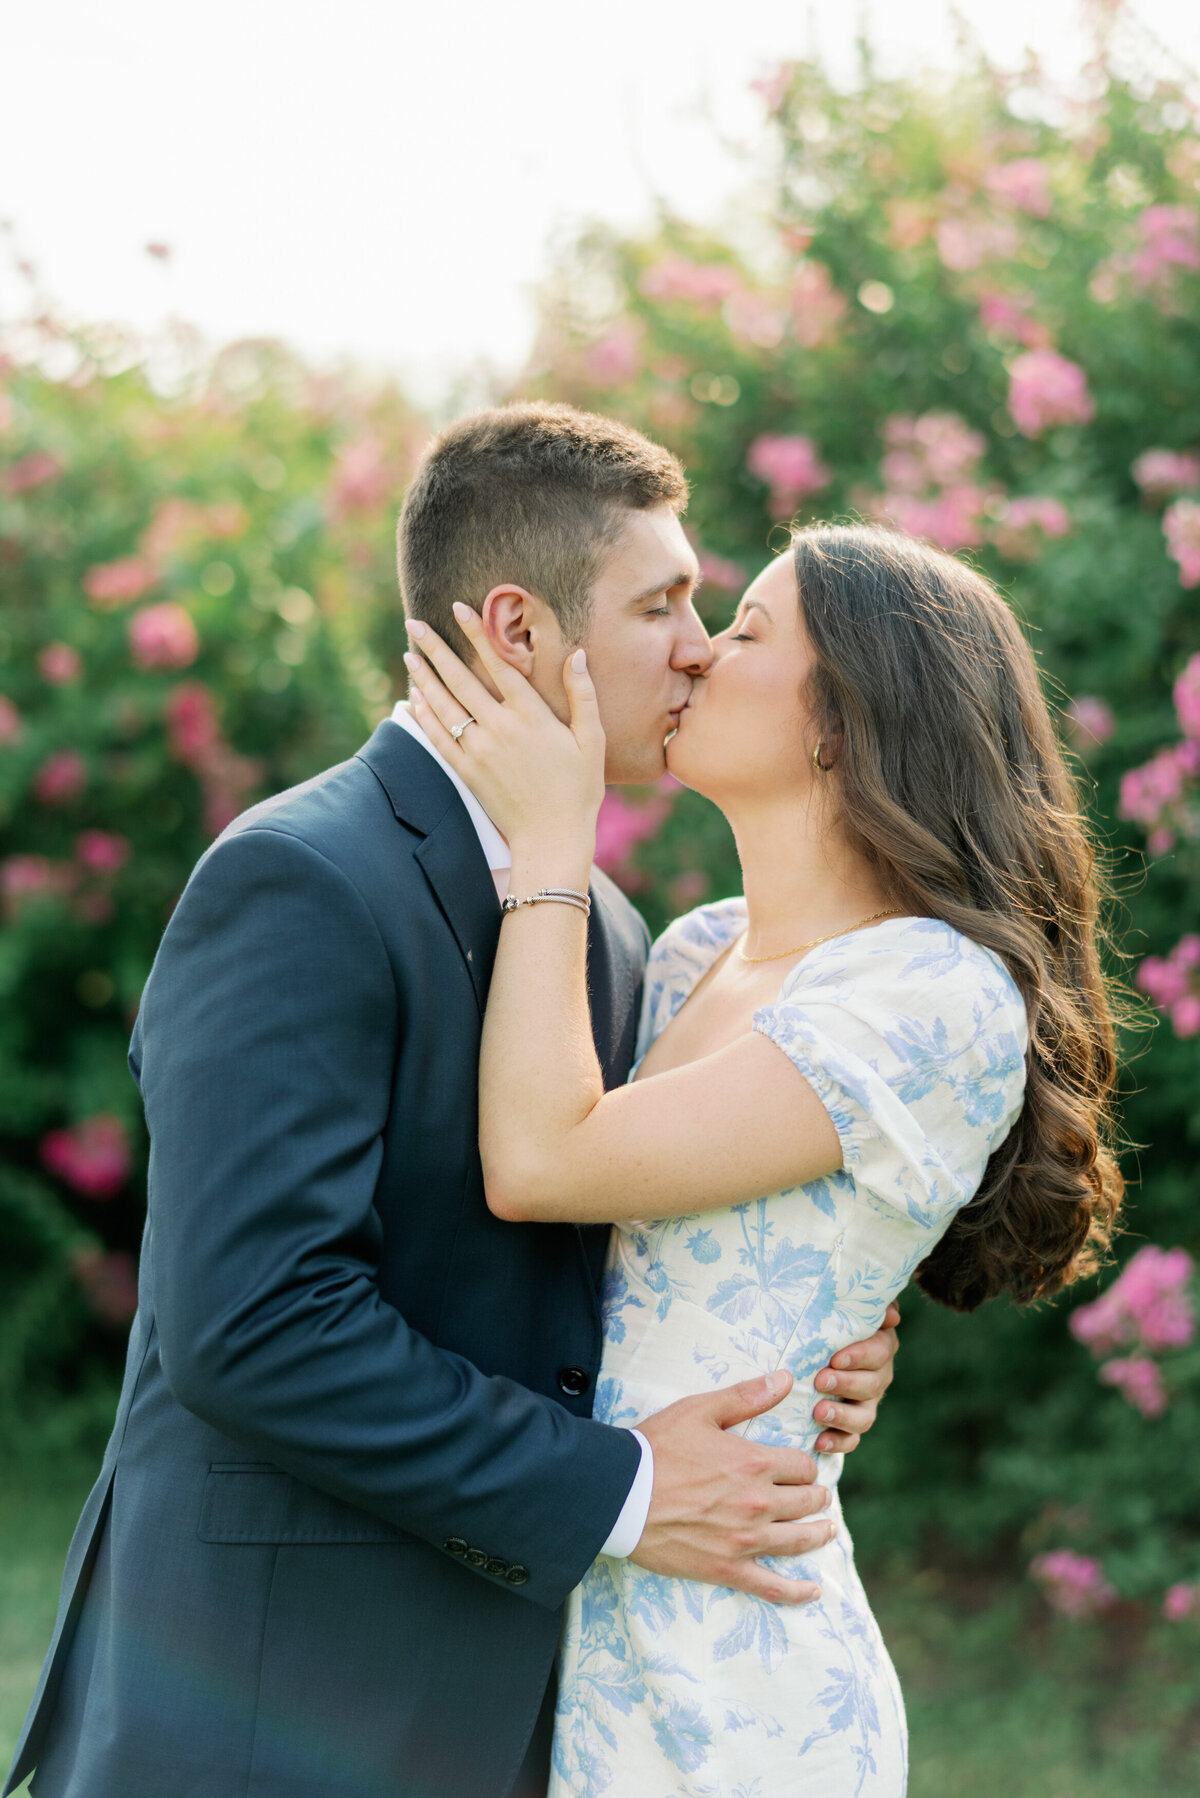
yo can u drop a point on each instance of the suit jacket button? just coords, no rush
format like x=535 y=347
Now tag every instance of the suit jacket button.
x=454 y=1545
x=498 y=1569
x=517 y=1575
x=475 y=1557
x=573 y=1381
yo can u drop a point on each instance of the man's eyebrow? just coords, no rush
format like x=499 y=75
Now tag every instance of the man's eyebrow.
x=685 y=577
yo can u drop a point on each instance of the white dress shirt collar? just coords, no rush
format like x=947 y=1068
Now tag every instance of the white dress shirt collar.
x=499 y=856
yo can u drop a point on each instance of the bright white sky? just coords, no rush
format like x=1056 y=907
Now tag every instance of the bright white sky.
x=381 y=178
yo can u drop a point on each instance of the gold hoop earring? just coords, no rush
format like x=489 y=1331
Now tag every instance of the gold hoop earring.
x=818 y=764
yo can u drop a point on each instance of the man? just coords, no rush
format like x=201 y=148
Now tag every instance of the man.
x=353 y=1474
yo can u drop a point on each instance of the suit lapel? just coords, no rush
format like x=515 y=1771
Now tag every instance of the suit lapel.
x=450 y=856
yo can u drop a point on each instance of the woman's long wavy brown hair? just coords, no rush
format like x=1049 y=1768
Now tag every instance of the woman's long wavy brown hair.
x=955 y=787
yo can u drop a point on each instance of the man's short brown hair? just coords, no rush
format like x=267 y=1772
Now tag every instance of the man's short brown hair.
x=528 y=493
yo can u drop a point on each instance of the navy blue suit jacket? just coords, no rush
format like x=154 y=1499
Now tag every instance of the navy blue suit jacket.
x=353 y=1474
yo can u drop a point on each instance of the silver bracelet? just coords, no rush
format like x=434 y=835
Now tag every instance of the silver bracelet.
x=563 y=896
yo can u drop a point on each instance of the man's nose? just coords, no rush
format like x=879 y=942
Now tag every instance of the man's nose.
x=693 y=652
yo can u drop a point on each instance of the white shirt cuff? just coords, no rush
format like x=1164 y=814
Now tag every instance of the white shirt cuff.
x=626 y=1532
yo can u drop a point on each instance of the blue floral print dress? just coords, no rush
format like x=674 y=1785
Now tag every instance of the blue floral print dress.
x=914 y=1039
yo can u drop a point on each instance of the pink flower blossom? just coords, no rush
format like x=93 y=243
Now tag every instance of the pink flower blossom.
x=1185 y=1015
x=934 y=450
x=24 y=877
x=101 y=851
x=707 y=284
x=622 y=825
x=1139 y=1381
x=1161 y=472
x=1022 y=186
x=1167 y=240
x=1148 y=1306
x=1025 y=523
x=1181 y=527
x=30 y=472
x=716 y=571
x=10 y=722
x=109 y=1280
x=1091 y=720
x=1045 y=389
x=966 y=240
x=59 y=664
x=1073 y=1584
x=163 y=636
x=616 y=357
x=1005 y=315
x=92 y=1156
x=790 y=466
x=773 y=89
x=61 y=778
x=817 y=306
x=119 y=583
x=192 y=728
x=1186 y=695
x=363 y=480
x=1181 y=1601
x=756 y=318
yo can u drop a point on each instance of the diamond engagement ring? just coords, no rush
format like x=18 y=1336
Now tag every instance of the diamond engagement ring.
x=456 y=730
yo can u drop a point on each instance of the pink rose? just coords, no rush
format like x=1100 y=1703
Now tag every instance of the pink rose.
x=59 y=664
x=1022 y=186
x=1186 y=695
x=192 y=728
x=25 y=877
x=30 y=472
x=716 y=571
x=616 y=357
x=101 y=851
x=1161 y=472
x=790 y=466
x=1181 y=527
x=1185 y=1015
x=705 y=284
x=1045 y=389
x=60 y=778
x=1168 y=240
x=1180 y=1601
x=817 y=306
x=1139 y=1382
x=10 y=722
x=622 y=825
x=1091 y=720
x=109 y=1281
x=119 y=583
x=1073 y=1584
x=163 y=636
x=92 y=1156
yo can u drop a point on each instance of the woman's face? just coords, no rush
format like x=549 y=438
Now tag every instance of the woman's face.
x=745 y=728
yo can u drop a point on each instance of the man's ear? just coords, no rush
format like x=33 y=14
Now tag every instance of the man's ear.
x=513 y=620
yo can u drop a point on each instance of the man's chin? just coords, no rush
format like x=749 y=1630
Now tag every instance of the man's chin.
x=640 y=770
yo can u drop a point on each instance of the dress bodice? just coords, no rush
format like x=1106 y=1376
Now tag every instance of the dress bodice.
x=914 y=1039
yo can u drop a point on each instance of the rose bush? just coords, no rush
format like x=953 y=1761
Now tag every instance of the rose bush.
x=970 y=310
x=190 y=620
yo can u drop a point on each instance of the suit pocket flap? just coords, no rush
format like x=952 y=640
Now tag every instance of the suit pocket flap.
x=261 y=1504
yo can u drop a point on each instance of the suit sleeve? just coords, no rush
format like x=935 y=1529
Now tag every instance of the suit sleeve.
x=267 y=1040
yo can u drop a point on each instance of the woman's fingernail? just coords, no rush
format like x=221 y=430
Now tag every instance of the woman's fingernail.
x=415 y=628
x=462 y=612
x=579 y=661
x=411 y=662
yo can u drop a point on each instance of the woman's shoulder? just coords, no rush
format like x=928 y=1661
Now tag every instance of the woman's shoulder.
x=922 y=964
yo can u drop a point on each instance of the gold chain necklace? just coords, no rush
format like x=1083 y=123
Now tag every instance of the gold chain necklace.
x=893 y=912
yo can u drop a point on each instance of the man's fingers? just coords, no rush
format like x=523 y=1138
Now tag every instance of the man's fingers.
x=787 y=1539
x=797 y=1504
x=749 y=1398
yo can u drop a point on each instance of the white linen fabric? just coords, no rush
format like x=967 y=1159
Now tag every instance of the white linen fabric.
x=914 y=1039
x=626 y=1532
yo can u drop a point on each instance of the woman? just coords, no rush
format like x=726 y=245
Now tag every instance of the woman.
x=900 y=1034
